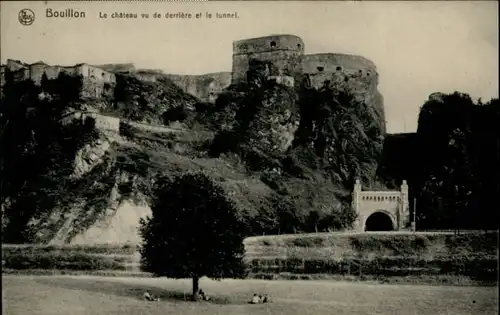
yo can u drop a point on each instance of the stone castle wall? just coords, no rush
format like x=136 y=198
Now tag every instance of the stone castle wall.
x=293 y=67
x=356 y=72
x=106 y=124
x=110 y=124
x=103 y=123
x=14 y=65
x=205 y=87
x=284 y=51
x=96 y=82
x=321 y=67
x=147 y=76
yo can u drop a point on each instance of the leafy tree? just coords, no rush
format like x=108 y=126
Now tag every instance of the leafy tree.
x=456 y=148
x=194 y=232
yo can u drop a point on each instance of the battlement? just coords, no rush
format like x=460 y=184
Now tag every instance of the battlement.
x=284 y=51
x=319 y=68
x=269 y=43
x=330 y=62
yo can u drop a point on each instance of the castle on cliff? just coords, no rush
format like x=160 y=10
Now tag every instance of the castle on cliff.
x=286 y=52
x=96 y=81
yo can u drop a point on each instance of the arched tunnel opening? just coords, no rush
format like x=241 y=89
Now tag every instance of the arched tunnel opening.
x=379 y=221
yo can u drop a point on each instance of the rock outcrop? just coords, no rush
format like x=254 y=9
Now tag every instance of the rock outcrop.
x=304 y=126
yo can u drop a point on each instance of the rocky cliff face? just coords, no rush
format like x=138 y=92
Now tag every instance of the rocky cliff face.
x=286 y=154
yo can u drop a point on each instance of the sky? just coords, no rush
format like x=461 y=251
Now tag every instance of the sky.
x=418 y=47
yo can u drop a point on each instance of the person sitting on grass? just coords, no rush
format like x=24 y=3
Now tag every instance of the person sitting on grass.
x=266 y=299
x=203 y=296
x=150 y=297
x=147 y=296
x=255 y=299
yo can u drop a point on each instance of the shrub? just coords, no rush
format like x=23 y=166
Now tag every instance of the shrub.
x=73 y=261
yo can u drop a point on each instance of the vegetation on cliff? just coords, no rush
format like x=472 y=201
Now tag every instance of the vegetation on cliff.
x=146 y=101
x=36 y=150
x=450 y=162
x=308 y=145
x=287 y=157
x=60 y=174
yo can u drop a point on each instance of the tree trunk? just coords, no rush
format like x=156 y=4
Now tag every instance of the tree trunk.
x=196 y=281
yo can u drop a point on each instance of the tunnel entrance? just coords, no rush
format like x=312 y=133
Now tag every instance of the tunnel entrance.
x=379 y=221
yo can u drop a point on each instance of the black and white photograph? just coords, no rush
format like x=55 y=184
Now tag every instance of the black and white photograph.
x=249 y=157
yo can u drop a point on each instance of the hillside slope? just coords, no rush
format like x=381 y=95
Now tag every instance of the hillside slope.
x=287 y=156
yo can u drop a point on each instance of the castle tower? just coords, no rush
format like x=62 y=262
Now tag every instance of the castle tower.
x=283 y=51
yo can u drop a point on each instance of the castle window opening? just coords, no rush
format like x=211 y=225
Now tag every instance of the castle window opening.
x=273 y=44
x=320 y=69
x=339 y=68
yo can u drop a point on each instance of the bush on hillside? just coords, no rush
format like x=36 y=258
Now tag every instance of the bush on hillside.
x=139 y=100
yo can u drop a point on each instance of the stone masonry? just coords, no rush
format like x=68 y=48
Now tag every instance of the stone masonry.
x=96 y=81
x=393 y=204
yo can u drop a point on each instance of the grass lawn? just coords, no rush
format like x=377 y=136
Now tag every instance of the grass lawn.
x=78 y=295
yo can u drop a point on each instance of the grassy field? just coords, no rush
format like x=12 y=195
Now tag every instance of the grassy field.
x=398 y=257
x=62 y=295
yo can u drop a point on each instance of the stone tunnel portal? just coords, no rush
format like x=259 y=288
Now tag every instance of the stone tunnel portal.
x=379 y=221
x=381 y=210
